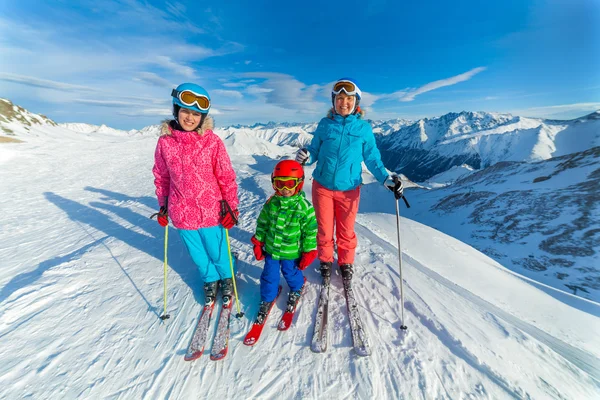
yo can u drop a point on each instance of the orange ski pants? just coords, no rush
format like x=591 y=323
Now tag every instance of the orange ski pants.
x=335 y=209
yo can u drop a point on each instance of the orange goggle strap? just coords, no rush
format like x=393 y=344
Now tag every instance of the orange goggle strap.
x=190 y=98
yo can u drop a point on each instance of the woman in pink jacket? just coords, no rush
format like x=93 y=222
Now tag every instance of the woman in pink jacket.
x=193 y=175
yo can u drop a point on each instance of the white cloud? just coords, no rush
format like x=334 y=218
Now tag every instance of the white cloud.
x=285 y=91
x=45 y=83
x=154 y=79
x=137 y=112
x=257 y=90
x=227 y=93
x=573 y=110
x=410 y=95
x=175 y=67
x=234 y=84
x=105 y=103
x=176 y=9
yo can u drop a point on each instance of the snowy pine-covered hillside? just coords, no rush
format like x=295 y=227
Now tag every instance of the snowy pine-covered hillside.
x=81 y=292
x=480 y=139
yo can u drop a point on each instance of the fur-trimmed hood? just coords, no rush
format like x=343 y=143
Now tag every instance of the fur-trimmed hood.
x=168 y=124
x=360 y=113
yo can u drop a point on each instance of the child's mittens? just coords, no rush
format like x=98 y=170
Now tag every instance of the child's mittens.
x=307 y=259
x=258 y=248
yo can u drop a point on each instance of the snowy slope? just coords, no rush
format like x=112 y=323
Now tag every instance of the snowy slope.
x=539 y=219
x=81 y=292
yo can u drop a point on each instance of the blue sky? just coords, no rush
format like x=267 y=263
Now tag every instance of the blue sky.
x=115 y=62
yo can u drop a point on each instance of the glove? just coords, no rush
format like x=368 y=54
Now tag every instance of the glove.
x=162 y=216
x=307 y=259
x=229 y=217
x=394 y=183
x=302 y=156
x=258 y=248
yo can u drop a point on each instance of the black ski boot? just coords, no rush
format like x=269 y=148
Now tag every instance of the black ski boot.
x=263 y=310
x=210 y=292
x=293 y=299
x=326 y=269
x=347 y=271
x=227 y=290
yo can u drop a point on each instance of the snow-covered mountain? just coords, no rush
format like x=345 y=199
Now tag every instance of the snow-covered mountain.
x=15 y=118
x=88 y=128
x=81 y=292
x=434 y=145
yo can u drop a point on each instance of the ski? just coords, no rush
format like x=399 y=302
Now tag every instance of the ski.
x=196 y=346
x=319 y=339
x=220 y=343
x=288 y=316
x=254 y=334
x=359 y=335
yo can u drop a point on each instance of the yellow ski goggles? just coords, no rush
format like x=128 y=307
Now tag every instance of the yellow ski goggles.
x=286 y=182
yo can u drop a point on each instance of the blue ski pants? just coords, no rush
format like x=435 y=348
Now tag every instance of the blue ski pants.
x=269 y=279
x=208 y=249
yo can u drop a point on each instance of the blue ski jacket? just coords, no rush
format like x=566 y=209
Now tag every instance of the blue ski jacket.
x=339 y=146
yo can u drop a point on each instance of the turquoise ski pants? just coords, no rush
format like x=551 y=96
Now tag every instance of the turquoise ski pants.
x=208 y=249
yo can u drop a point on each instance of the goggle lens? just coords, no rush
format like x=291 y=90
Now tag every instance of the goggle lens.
x=289 y=183
x=348 y=87
x=189 y=98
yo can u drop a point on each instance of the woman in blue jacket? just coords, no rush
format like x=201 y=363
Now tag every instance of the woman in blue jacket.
x=341 y=142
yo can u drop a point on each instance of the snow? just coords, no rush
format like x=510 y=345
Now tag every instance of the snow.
x=81 y=293
x=448 y=177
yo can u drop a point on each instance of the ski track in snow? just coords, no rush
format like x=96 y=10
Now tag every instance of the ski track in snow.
x=581 y=359
x=82 y=293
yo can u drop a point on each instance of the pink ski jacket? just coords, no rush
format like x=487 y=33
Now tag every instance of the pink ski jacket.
x=194 y=170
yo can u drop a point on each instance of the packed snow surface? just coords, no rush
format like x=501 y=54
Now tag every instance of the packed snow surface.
x=81 y=292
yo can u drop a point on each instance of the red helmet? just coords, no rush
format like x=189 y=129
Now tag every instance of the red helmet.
x=289 y=169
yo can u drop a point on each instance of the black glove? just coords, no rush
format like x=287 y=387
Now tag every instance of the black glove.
x=302 y=156
x=394 y=183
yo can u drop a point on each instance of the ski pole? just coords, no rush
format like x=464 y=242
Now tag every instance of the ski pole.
x=165 y=315
x=402 y=326
x=397 y=201
x=224 y=210
x=240 y=314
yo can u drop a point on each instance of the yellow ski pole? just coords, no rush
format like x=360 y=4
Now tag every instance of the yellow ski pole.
x=165 y=315
x=240 y=314
x=224 y=210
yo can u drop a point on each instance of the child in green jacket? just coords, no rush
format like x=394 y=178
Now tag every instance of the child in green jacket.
x=286 y=236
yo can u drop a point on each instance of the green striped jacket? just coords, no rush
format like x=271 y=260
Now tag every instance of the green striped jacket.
x=287 y=226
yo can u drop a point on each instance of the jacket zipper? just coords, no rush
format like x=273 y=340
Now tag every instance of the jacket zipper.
x=337 y=159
